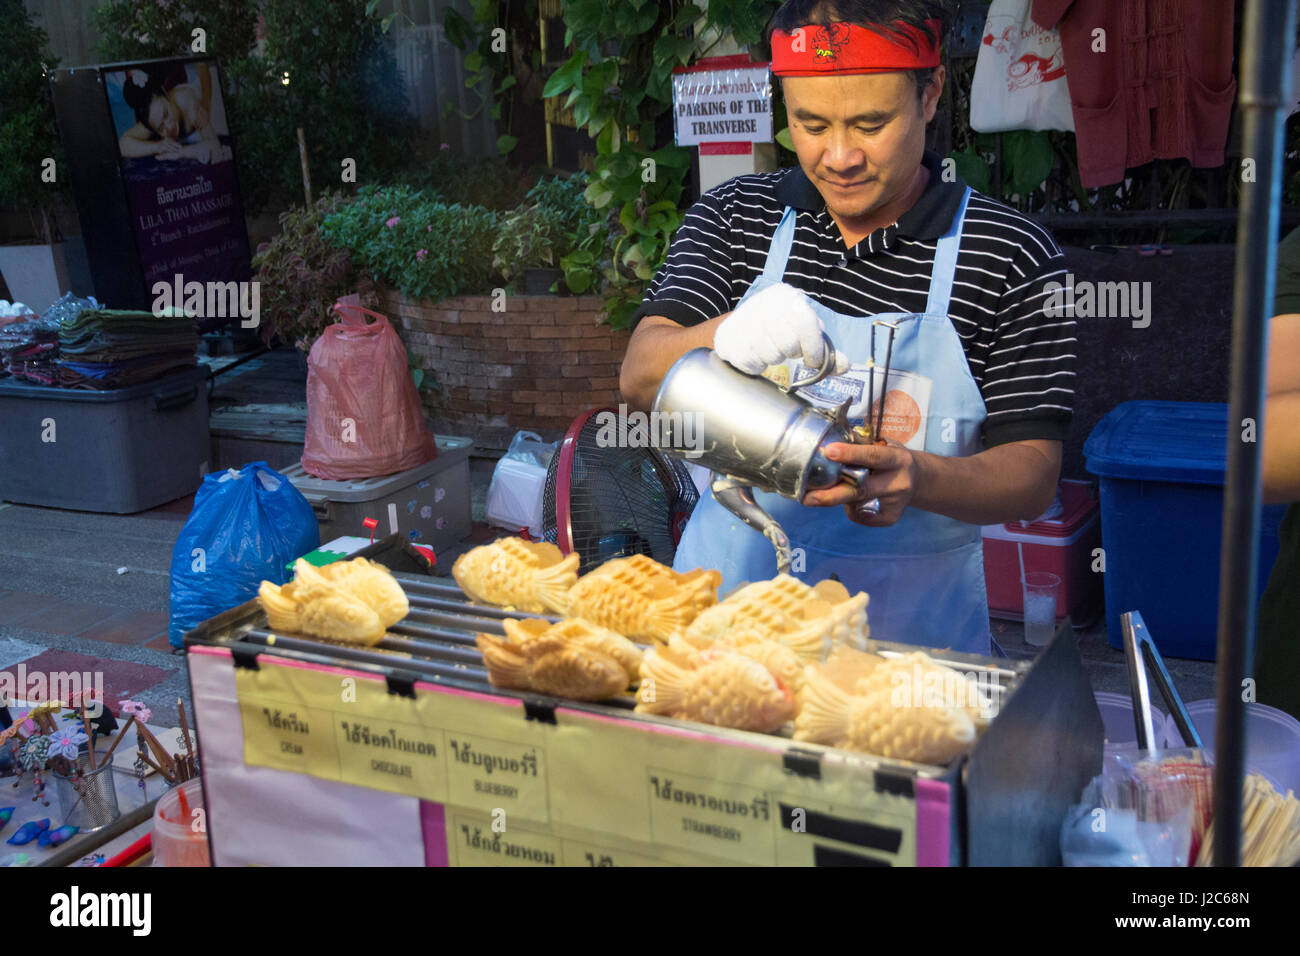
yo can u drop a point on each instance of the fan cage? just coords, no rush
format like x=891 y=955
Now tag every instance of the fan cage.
x=612 y=502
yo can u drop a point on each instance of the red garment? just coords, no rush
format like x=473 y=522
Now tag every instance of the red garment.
x=1163 y=88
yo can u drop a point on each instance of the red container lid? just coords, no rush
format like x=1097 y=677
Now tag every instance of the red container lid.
x=1078 y=506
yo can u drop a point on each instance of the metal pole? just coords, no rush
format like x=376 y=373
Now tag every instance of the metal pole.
x=1266 y=43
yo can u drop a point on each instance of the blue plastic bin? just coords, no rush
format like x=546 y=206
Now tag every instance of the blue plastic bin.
x=1161 y=466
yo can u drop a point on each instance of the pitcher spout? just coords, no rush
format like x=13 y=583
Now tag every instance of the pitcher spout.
x=738 y=498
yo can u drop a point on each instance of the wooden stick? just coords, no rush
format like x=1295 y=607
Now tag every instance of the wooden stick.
x=306 y=171
x=185 y=727
x=160 y=770
x=125 y=728
x=158 y=750
x=90 y=736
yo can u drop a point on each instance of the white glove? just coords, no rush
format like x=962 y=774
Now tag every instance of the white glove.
x=776 y=324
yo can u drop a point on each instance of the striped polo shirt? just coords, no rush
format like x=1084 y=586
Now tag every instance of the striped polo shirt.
x=1021 y=358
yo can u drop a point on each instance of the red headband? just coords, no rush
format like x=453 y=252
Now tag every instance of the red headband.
x=822 y=49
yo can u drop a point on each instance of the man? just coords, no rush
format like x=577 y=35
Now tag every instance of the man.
x=871 y=228
x=1277 y=655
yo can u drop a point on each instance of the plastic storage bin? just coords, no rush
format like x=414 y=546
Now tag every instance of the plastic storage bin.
x=177 y=841
x=116 y=451
x=1062 y=546
x=429 y=504
x=1161 y=466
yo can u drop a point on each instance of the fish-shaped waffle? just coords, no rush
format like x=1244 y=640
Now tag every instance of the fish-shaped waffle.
x=716 y=686
x=572 y=658
x=808 y=620
x=373 y=584
x=910 y=708
x=781 y=661
x=353 y=601
x=641 y=598
x=531 y=576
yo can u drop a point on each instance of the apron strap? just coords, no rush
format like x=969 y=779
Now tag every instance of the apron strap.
x=945 y=262
x=778 y=253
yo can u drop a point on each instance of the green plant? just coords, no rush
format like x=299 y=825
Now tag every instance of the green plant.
x=619 y=90
x=528 y=239
x=547 y=227
x=301 y=274
x=487 y=39
x=417 y=243
x=1027 y=160
x=27 y=132
x=147 y=29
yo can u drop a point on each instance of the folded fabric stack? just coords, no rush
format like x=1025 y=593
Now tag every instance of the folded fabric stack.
x=29 y=350
x=115 y=348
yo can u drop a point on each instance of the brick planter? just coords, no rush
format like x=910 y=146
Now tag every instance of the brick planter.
x=533 y=366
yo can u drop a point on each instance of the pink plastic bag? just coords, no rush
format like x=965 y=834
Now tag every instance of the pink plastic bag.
x=363 y=411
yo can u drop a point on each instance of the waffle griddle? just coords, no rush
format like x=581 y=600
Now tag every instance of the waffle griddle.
x=1029 y=765
x=436 y=641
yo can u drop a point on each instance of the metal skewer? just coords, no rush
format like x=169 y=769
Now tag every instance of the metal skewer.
x=871 y=381
x=876 y=435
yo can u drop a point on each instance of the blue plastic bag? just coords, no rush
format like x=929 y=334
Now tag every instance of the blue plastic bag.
x=246 y=527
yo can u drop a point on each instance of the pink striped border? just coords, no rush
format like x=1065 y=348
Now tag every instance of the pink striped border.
x=933 y=822
x=433 y=825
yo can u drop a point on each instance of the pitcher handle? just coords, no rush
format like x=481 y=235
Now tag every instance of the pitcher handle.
x=827 y=366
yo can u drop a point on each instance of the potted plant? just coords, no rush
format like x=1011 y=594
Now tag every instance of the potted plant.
x=35 y=269
x=525 y=248
x=542 y=231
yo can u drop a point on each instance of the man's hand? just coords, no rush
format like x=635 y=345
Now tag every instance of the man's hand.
x=895 y=479
x=778 y=323
x=1004 y=483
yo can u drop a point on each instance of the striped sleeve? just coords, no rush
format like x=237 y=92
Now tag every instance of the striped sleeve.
x=694 y=284
x=1029 y=371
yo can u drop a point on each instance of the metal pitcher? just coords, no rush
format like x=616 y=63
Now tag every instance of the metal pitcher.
x=753 y=433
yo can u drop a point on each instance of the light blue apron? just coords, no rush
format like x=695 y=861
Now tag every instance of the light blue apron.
x=925 y=573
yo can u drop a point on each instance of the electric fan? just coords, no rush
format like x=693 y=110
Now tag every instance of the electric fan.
x=611 y=502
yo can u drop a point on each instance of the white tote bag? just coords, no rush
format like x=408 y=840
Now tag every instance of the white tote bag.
x=1019 y=74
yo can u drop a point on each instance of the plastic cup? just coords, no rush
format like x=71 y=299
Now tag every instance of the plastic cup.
x=176 y=841
x=1039 y=588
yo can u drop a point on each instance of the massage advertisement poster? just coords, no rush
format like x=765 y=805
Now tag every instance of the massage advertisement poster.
x=177 y=160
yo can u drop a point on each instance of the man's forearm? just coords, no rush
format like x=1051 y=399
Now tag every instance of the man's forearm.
x=1004 y=483
x=656 y=344
x=1281 y=448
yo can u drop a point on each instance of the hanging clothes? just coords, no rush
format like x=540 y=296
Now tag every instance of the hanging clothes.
x=1149 y=79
